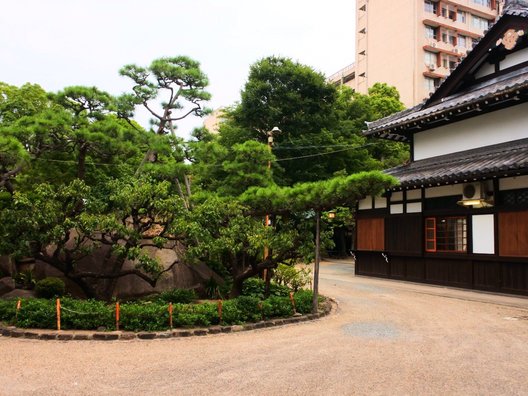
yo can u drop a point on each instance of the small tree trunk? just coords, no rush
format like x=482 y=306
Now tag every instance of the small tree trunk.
x=315 y=302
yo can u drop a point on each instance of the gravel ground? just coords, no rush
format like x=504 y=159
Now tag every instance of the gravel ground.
x=387 y=337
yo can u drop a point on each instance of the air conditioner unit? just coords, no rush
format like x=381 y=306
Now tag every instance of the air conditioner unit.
x=432 y=67
x=433 y=44
x=476 y=195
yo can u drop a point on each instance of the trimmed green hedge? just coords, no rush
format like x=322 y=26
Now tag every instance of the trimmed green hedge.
x=149 y=315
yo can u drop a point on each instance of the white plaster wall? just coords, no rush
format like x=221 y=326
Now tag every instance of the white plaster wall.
x=444 y=191
x=380 y=202
x=492 y=128
x=513 y=183
x=396 y=209
x=514 y=59
x=414 y=194
x=397 y=196
x=415 y=207
x=485 y=70
x=365 y=204
x=483 y=234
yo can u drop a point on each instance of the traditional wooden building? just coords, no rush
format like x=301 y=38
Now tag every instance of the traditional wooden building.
x=460 y=214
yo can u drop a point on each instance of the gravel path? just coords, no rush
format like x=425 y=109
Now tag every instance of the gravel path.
x=386 y=338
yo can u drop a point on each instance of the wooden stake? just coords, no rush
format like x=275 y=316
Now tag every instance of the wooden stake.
x=220 y=311
x=117 y=314
x=18 y=306
x=293 y=303
x=170 y=315
x=58 y=314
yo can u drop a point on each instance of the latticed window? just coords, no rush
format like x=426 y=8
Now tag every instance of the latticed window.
x=446 y=234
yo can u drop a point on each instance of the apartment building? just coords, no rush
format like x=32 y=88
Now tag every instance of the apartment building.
x=413 y=44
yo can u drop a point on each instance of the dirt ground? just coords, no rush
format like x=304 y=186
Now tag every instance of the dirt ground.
x=387 y=337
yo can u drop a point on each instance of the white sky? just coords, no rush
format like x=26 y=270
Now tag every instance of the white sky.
x=57 y=43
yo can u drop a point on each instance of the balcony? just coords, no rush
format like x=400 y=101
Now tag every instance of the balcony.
x=466 y=29
x=436 y=46
x=476 y=9
x=344 y=75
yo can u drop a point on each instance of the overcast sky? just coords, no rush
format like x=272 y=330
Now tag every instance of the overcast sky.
x=57 y=43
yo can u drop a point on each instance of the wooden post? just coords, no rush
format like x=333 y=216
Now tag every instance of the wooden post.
x=293 y=303
x=58 y=306
x=315 y=301
x=170 y=315
x=219 y=311
x=117 y=314
x=18 y=306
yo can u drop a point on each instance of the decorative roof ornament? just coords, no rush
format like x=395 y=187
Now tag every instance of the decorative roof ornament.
x=510 y=38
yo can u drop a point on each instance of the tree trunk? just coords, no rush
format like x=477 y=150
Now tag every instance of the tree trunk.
x=81 y=162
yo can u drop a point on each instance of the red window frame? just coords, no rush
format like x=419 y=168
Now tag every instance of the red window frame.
x=433 y=239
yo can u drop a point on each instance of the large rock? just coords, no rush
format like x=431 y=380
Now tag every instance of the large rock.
x=7 y=266
x=20 y=293
x=7 y=285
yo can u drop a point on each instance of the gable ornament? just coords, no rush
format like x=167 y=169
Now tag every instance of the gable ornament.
x=510 y=38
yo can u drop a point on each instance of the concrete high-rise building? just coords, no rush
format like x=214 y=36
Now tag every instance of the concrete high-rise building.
x=413 y=44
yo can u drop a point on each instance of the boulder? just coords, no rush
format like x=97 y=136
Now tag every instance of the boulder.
x=7 y=285
x=20 y=293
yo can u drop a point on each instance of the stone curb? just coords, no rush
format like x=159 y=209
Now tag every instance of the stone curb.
x=328 y=307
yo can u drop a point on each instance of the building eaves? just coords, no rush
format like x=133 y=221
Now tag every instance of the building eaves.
x=480 y=97
x=504 y=159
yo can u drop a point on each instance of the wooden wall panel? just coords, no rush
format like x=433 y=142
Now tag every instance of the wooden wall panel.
x=371 y=234
x=404 y=234
x=515 y=277
x=371 y=264
x=397 y=267
x=460 y=273
x=436 y=271
x=486 y=275
x=513 y=234
x=415 y=268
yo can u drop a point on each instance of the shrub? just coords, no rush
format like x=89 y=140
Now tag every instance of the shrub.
x=231 y=313
x=249 y=308
x=86 y=314
x=37 y=313
x=277 y=307
x=146 y=316
x=303 y=301
x=7 y=310
x=291 y=277
x=177 y=296
x=50 y=287
x=255 y=287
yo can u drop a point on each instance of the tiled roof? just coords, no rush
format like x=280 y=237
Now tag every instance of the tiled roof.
x=516 y=7
x=515 y=80
x=501 y=159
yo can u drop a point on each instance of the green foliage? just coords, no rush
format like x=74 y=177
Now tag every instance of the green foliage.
x=178 y=81
x=255 y=287
x=50 y=287
x=85 y=314
x=144 y=316
x=7 y=310
x=292 y=277
x=182 y=296
x=303 y=301
x=37 y=313
x=26 y=279
x=277 y=307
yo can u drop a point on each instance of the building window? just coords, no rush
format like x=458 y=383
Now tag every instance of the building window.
x=485 y=3
x=462 y=41
x=449 y=37
x=431 y=6
x=448 y=12
x=430 y=59
x=446 y=234
x=479 y=23
x=431 y=32
x=430 y=84
x=461 y=16
x=449 y=62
